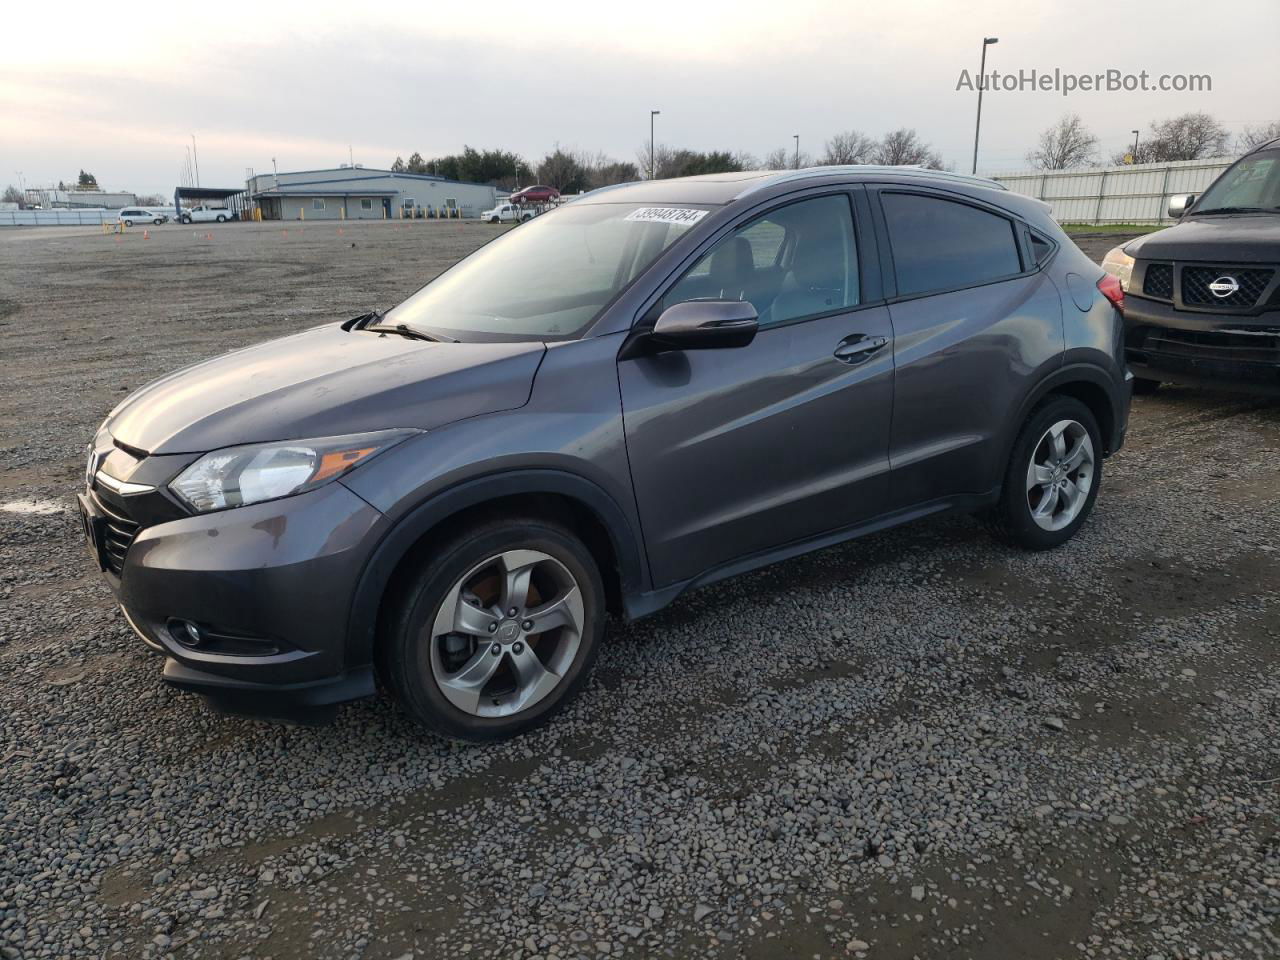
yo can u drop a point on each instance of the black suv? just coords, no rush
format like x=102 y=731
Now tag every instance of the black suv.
x=1202 y=302
x=644 y=391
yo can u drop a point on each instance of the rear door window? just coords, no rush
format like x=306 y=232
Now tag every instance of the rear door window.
x=943 y=244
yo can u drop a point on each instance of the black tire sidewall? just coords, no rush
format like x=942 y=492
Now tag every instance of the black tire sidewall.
x=1015 y=513
x=418 y=691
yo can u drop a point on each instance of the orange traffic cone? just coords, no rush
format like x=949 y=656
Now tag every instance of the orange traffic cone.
x=146 y=234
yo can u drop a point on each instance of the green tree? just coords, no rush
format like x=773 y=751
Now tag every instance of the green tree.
x=87 y=181
x=398 y=165
x=562 y=170
x=416 y=164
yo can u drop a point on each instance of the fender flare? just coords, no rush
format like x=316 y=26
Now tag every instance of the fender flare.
x=409 y=529
x=1072 y=373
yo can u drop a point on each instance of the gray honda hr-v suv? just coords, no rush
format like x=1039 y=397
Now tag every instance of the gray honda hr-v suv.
x=651 y=388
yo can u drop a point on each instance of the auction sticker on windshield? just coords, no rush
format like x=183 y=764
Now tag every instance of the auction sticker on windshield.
x=681 y=215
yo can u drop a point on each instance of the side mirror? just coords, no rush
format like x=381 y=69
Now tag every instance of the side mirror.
x=1180 y=203
x=705 y=325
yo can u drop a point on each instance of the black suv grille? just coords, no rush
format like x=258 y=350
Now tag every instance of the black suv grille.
x=1196 y=280
x=1158 y=281
x=117 y=534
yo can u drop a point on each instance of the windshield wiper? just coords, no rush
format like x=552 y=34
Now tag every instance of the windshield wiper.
x=407 y=331
x=1232 y=210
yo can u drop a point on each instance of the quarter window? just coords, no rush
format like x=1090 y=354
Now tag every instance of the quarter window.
x=944 y=245
x=796 y=261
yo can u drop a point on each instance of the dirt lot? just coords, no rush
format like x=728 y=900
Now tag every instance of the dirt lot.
x=920 y=744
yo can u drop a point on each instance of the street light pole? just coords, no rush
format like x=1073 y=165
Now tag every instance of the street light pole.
x=797 y=137
x=982 y=82
x=652 y=114
x=1135 y=146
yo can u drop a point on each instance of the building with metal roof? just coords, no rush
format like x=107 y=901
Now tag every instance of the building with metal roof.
x=362 y=193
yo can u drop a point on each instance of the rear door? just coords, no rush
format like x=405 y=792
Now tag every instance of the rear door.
x=976 y=327
x=738 y=451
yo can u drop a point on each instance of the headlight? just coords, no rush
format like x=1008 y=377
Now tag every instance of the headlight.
x=236 y=476
x=1120 y=265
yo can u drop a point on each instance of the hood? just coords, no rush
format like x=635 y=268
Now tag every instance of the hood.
x=1238 y=238
x=324 y=382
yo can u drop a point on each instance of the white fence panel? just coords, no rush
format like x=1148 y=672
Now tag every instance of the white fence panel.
x=1125 y=194
x=55 y=218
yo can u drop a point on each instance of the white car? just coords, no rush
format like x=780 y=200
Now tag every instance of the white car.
x=207 y=214
x=507 y=213
x=131 y=215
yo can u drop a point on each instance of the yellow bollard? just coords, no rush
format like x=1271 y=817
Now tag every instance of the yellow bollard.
x=302 y=213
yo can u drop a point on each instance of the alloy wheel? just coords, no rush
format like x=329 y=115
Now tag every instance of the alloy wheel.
x=1060 y=475
x=505 y=633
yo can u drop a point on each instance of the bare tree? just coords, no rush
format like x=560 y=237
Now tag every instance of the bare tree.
x=13 y=195
x=1068 y=143
x=851 y=146
x=784 y=158
x=1251 y=137
x=1190 y=136
x=905 y=148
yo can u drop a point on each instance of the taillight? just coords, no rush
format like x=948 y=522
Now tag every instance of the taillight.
x=1112 y=290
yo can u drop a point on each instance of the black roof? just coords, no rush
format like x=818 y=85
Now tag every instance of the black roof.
x=206 y=193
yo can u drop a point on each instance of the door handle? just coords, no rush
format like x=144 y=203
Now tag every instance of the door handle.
x=859 y=347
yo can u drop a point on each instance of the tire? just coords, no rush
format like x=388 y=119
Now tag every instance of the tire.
x=157 y=222
x=1144 y=388
x=222 y=219
x=186 y=219
x=452 y=681
x=493 y=220
x=1024 y=515
x=128 y=223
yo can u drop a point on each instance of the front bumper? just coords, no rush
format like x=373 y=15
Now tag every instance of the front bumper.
x=267 y=588
x=1228 y=352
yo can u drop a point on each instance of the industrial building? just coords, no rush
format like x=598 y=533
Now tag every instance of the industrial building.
x=50 y=199
x=361 y=193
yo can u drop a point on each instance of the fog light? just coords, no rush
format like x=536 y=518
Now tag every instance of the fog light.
x=185 y=632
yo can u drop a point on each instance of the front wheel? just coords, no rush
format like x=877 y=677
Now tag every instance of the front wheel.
x=128 y=223
x=1053 y=476
x=186 y=219
x=222 y=219
x=497 y=631
x=157 y=221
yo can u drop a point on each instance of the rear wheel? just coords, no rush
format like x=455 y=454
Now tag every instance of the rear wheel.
x=1053 y=476
x=221 y=219
x=128 y=223
x=1142 y=388
x=496 y=631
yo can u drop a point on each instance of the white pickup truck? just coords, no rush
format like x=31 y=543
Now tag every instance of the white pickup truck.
x=207 y=214
x=507 y=213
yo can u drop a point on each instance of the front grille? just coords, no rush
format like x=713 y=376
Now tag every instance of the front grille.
x=117 y=534
x=1158 y=281
x=1196 y=280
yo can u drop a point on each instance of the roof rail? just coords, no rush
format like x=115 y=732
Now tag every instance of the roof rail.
x=786 y=176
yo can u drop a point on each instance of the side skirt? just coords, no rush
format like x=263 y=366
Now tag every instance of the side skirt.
x=640 y=605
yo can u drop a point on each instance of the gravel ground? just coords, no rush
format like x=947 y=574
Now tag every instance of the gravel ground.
x=921 y=744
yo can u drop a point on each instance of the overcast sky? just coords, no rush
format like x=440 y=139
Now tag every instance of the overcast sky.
x=118 y=88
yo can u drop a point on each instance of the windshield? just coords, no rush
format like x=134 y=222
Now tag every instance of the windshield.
x=1252 y=184
x=550 y=277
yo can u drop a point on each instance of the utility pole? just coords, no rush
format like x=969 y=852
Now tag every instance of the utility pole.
x=196 y=155
x=982 y=82
x=652 y=114
x=797 y=136
x=1135 y=146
